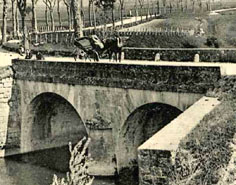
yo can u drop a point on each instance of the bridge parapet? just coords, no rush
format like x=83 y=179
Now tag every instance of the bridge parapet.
x=190 y=79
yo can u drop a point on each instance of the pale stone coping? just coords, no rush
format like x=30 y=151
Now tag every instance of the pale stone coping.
x=168 y=138
x=182 y=49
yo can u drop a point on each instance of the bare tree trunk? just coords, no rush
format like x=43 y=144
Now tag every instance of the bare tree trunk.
x=164 y=6
x=17 y=23
x=112 y=17
x=170 y=7
x=121 y=15
x=193 y=6
x=59 y=13
x=34 y=17
x=4 y=25
x=46 y=15
x=181 y=6
x=82 y=12
x=23 y=27
x=68 y=16
x=158 y=6
x=94 y=17
x=141 y=13
x=209 y=5
x=89 y=13
x=78 y=23
x=200 y=5
x=71 y=16
x=13 y=8
x=52 y=20
x=186 y=5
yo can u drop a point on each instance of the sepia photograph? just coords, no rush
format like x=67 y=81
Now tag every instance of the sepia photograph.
x=117 y=92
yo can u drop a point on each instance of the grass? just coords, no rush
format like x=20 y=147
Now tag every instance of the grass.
x=206 y=151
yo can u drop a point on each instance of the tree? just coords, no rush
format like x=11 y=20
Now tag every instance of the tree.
x=106 y=5
x=4 y=18
x=193 y=5
x=14 y=9
x=46 y=15
x=181 y=5
x=186 y=5
x=141 y=3
x=22 y=4
x=200 y=4
x=148 y=7
x=68 y=9
x=136 y=9
x=34 y=17
x=94 y=10
x=121 y=11
x=90 y=11
x=58 y=12
x=50 y=4
x=17 y=22
x=78 y=166
x=171 y=6
x=208 y=4
x=164 y=6
x=158 y=6
x=77 y=17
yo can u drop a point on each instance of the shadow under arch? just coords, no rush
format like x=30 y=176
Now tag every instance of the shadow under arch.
x=50 y=121
x=139 y=126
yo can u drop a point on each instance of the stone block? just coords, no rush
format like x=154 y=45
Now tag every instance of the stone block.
x=7 y=84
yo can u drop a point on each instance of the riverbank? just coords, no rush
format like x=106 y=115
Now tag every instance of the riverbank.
x=204 y=155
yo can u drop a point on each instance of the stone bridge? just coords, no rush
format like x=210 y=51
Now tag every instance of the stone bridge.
x=118 y=106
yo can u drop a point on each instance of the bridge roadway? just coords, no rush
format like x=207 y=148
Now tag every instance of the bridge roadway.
x=226 y=68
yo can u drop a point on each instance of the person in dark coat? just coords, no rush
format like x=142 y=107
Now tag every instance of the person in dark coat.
x=21 y=50
x=29 y=54
x=39 y=56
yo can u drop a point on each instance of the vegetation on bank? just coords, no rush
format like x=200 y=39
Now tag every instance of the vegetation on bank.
x=205 y=153
x=78 y=166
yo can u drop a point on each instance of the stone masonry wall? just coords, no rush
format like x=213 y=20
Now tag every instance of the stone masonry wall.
x=191 y=79
x=155 y=166
x=6 y=80
x=182 y=54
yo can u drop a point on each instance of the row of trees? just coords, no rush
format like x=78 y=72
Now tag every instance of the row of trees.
x=75 y=11
x=22 y=7
x=185 y=4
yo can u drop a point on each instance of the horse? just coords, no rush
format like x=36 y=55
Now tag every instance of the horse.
x=113 y=46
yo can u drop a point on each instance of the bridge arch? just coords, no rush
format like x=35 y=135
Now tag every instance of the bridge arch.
x=49 y=121
x=140 y=125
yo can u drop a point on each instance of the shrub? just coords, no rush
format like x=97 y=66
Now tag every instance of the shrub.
x=78 y=166
x=212 y=42
x=206 y=151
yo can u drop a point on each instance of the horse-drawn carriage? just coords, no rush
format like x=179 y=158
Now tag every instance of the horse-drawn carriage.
x=89 y=47
x=94 y=48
